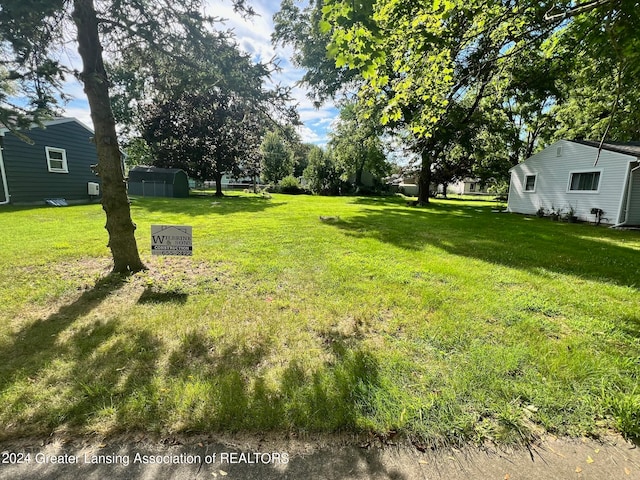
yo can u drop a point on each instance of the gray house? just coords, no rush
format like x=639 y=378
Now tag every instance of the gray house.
x=56 y=165
x=569 y=176
x=158 y=182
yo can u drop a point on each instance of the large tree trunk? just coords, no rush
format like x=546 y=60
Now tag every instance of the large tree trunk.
x=218 y=179
x=115 y=203
x=359 y=170
x=424 y=180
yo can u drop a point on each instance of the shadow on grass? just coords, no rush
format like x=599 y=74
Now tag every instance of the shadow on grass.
x=35 y=346
x=75 y=370
x=332 y=397
x=382 y=201
x=150 y=295
x=83 y=368
x=511 y=240
x=631 y=325
x=194 y=206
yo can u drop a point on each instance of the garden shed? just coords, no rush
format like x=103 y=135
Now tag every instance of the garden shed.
x=158 y=182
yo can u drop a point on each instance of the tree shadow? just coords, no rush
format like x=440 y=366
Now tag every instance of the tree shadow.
x=197 y=206
x=35 y=345
x=532 y=244
x=152 y=295
x=89 y=366
x=332 y=396
x=382 y=201
x=631 y=326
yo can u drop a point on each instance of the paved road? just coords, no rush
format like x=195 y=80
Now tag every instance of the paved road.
x=326 y=458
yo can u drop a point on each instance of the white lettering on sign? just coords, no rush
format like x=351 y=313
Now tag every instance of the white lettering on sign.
x=171 y=240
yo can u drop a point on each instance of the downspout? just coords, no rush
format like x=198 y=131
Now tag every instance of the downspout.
x=629 y=187
x=4 y=178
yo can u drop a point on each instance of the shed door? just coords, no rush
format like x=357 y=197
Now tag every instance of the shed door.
x=633 y=215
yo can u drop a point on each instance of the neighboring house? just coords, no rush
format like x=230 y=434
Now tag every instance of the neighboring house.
x=469 y=186
x=55 y=165
x=158 y=182
x=230 y=182
x=405 y=184
x=565 y=176
x=367 y=179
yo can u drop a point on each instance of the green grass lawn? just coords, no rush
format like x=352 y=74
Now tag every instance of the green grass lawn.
x=447 y=323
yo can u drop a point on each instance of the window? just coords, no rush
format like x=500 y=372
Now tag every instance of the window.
x=530 y=183
x=472 y=187
x=56 y=160
x=584 y=182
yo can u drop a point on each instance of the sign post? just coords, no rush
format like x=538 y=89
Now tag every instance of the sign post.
x=171 y=240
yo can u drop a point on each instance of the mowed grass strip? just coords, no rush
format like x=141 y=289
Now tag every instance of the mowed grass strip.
x=447 y=323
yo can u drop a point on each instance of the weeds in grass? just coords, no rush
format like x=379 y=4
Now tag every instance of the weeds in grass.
x=448 y=323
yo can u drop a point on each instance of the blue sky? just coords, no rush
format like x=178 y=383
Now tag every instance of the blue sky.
x=254 y=36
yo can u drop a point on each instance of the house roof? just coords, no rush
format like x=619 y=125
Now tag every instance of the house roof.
x=627 y=148
x=49 y=123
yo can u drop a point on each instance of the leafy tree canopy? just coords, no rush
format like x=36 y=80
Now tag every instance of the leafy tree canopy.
x=356 y=144
x=277 y=158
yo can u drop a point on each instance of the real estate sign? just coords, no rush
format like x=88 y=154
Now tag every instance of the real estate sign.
x=171 y=240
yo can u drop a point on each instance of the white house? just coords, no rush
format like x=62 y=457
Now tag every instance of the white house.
x=568 y=175
x=469 y=186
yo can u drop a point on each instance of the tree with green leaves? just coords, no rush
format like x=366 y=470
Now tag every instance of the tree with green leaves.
x=437 y=69
x=34 y=34
x=277 y=159
x=356 y=145
x=206 y=115
x=428 y=66
x=300 y=157
x=301 y=29
x=322 y=173
x=205 y=133
x=600 y=52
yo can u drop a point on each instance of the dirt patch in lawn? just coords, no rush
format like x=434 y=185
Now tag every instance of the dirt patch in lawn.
x=167 y=279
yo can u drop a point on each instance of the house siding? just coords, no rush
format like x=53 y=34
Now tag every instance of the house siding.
x=552 y=181
x=633 y=217
x=28 y=176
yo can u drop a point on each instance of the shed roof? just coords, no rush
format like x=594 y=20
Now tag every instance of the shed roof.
x=147 y=173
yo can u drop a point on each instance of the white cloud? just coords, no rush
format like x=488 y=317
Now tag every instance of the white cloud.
x=310 y=136
x=253 y=35
x=79 y=109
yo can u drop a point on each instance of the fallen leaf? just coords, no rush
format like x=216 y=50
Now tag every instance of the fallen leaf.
x=627 y=470
x=589 y=460
x=423 y=462
x=507 y=476
x=597 y=450
x=578 y=470
x=222 y=472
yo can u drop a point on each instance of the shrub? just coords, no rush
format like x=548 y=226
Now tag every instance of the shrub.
x=290 y=185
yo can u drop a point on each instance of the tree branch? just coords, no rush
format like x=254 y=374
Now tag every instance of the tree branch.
x=577 y=10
